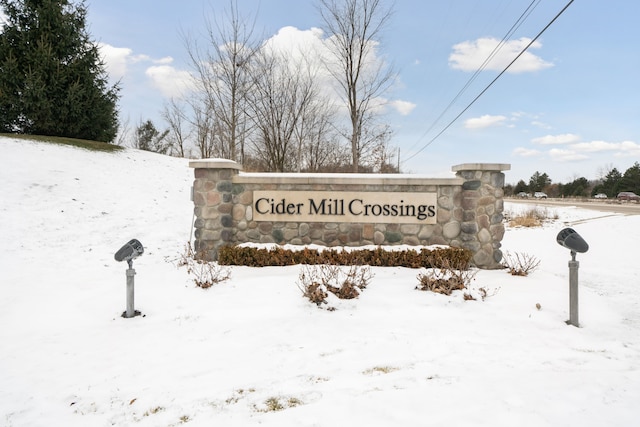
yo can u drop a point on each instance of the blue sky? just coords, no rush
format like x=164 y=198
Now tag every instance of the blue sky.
x=568 y=107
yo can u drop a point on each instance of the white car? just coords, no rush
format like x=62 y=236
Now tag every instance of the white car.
x=539 y=195
x=600 y=196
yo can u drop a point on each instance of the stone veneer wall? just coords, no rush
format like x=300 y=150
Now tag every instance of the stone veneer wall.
x=469 y=209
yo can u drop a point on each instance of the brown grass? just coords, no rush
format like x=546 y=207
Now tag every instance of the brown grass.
x=80 y=143
x=534 y=217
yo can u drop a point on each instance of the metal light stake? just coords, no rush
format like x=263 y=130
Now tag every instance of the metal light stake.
x=131 y=250
x=571 y=240
x=573 y=290
x=131 y=312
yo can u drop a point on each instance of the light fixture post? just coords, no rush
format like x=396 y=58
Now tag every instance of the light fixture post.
x=131 y=250
x=571 y=240
x=573 y=291
x=131 y=312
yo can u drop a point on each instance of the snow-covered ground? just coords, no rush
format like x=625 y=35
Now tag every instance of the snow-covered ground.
x=231 y=354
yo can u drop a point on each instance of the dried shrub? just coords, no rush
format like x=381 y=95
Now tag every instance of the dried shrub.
x=275 y=404
x=446 y=279
x=347 y=290
x=380 y=370
x=425 y=258
x=314 y=292
x=533 y=217
x=316 y=281
x=439 y=282
x=482 y=293
x=205 y=273
x=520 y=264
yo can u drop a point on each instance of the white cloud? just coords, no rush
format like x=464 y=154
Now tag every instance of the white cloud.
x=470 y=55
x=539 y=124
x=134 y=59
x=560 y=155
x=403 y=107
x=525 y=152
x=629 y=147
x=163 y=61
x=299 y=45
x=583 y=150
x=577 y=151
x=534 y=119
x=169 y=80
x=121 y=60
x=116 y=59
x=484 y=121
x=306 y=50
x=310 y=51
x=566 y=138
x=595 y=146
x=625 y=148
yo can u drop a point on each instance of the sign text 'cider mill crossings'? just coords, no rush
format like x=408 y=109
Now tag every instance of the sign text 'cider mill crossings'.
x=355 y=207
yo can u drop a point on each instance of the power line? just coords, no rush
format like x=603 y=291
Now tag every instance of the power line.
x=493 y=53
x=490 y=84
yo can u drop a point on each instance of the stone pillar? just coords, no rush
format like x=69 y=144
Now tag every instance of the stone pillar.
x=213 y=191
x=482 y=203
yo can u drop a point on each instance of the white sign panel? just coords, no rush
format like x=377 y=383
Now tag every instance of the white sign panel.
x=349 y=207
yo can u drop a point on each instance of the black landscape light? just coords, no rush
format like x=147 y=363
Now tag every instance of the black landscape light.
x=571 y=240
x=130 y=251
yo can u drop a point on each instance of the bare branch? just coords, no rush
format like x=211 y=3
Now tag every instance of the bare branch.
x=354 y=28
x=223 y=69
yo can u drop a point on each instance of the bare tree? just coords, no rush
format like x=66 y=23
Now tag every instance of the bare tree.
x=316 y=137
x=354 y=27
x=323 y=152
x=315 y=127
x=124 y=133
x=377 y=155
x=222 y=69
x=603 y=171
x=204 y=128
x=281 y=103
x=175 y=115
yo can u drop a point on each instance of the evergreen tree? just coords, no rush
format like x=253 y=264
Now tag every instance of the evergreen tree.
x=631 y=179
x=538 y=181
x=148 y=138
x=611 y=183
x=52 y=79
x=577 y=188
x=521 y=187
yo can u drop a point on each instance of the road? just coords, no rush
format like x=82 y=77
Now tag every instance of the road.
x=626 y=208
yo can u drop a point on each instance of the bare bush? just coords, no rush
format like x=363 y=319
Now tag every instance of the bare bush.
x=316 y=281
x=311 y=286
x=533 y=217
x=205 y=273
x=446 y=279
x=481 y=292
x=520 y=264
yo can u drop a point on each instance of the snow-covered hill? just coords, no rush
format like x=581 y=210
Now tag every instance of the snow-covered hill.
x=252 y=351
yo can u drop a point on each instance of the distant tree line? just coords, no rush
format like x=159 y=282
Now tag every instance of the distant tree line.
x=610 y=183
